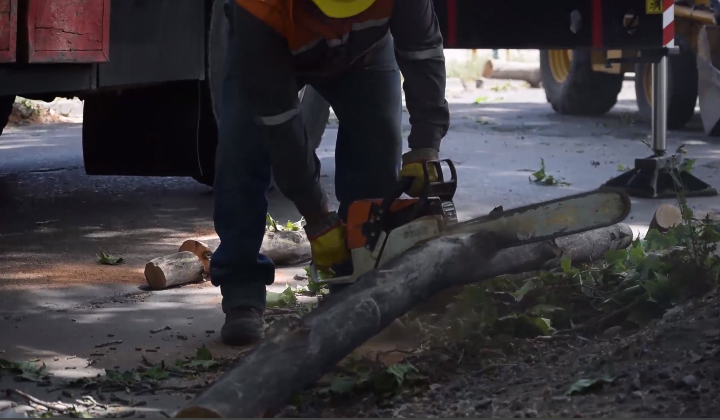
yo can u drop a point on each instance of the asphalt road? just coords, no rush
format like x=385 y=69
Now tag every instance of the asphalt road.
x=58 y=302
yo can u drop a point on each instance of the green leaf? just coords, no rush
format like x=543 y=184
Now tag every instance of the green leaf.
x=272 y=224
x=660 y=289
x=481 y=99
x=637 y=253
x=156 y=373
x=106 y=259
x=203 y=354
x=585 y=385
x=543 y=324
x=527 y=287
x=686 y=165
x=284 y=299
x=522 y=326
x=540 y=174
x=390 y=379
x=566 y=266
x=616 y=256
x=342 y=384
x=622 y=168
x=26 y=371
x=656 y=241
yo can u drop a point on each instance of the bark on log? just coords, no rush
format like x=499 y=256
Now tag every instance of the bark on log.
x=293 y=357
x=511 y=70
x=174 y=270
x=284 y=247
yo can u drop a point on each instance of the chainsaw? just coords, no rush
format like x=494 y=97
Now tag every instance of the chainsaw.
x=382 y=229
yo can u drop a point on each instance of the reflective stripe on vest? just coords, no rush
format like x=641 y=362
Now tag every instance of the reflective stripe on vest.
x=427 y=54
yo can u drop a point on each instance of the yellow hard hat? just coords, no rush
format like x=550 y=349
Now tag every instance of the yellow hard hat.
x=343 y=8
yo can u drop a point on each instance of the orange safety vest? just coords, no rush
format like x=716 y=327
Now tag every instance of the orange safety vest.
x=318 y=42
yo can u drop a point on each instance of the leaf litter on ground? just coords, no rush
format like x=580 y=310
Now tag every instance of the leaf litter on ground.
x=542 y=178
x=106 y=259
x=26 y=371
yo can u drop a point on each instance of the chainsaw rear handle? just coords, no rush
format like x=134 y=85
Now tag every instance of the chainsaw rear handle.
x=442 y=189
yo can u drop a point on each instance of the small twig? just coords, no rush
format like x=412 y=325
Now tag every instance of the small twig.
x=462 y=353
x=30 y=398
x=166 y=328
x=109 y=343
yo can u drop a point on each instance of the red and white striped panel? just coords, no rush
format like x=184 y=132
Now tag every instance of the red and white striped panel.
x=669 y=23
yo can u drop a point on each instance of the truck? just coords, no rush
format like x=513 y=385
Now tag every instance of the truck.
x=582 y=82
x=150 y=71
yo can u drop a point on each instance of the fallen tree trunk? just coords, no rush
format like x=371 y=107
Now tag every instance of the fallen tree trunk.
x=511 y=70
x=174 y=270
x=293 y=357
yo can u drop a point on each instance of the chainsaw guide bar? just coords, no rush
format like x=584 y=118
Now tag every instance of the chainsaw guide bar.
x=550 y=219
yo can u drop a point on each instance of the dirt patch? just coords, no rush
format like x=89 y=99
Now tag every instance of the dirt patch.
x=668 y=369
x=33 y=275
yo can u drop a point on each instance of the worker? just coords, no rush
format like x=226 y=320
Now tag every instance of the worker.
x=352 y=53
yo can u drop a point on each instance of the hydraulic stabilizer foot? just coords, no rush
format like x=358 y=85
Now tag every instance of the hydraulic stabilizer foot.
x=661 y=175
x=652 y=177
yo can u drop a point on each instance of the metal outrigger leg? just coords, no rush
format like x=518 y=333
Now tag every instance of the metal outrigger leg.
x=652 y=177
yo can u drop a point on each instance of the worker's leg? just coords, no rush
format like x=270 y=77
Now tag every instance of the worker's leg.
x=368 y=104
x=241 y=182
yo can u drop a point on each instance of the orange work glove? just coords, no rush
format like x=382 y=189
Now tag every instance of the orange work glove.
x=328 y=242
x=412 y=167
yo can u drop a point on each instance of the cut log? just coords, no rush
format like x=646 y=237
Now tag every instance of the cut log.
x=286 y=247
x=511 y=70
x=294 y=356
x=666 y=216
x=174 y=270
x=202 y=250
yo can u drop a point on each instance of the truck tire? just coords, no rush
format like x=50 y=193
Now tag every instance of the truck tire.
x=682 y=87
x=315 y=109
x=571 y=85
x=6 y=106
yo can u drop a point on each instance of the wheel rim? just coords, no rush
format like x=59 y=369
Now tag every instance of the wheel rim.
x=647 y=84
x=560 y=64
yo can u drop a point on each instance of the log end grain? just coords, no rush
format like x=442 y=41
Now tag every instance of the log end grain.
x=201 y=249
x=666 y=217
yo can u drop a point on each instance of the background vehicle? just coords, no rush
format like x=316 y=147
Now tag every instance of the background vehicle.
x=149 y=72
x=579 y=82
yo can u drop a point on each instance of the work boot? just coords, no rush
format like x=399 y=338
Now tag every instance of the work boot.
x=243 y=326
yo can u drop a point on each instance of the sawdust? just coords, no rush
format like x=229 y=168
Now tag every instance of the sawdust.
x=44 y=274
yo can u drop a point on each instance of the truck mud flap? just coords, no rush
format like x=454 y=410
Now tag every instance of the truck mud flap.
x=708 y=63
x=144 y=131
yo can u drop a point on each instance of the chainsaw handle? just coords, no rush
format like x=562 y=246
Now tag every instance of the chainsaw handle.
x=442 y=189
